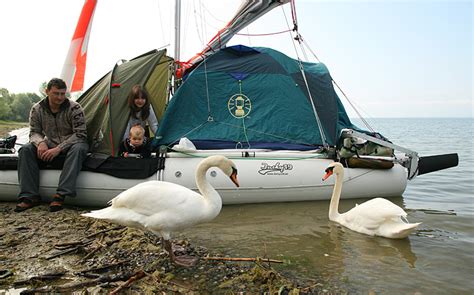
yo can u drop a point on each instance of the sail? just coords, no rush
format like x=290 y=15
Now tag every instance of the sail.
x=249 y=11
x=74 y=67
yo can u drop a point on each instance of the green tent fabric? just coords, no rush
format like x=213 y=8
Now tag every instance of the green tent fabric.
x=105 y=103
x=242 y=97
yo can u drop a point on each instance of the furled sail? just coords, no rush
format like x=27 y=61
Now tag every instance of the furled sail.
x=249 y=11
x=74 y=67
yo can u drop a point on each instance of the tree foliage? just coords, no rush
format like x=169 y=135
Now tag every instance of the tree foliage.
x=16 y=107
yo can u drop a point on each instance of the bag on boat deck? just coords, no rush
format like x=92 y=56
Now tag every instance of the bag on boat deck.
x=352 y=146
x=355 y=162
x=7 y=145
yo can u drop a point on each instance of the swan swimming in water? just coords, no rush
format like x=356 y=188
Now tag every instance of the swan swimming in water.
x=164 y=207
x=376 y=217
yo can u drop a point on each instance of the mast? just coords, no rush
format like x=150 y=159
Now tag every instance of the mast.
x=177 y=27
x=177 y=44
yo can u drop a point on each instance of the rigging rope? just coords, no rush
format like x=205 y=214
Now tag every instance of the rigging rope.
x=300 y=64
x=342 y=92
x=264 y=34
x=248 y=37
x=244 y=129
x=301 y=41
x=209 y=117
x=302 y=44
x=310 y=156
x=293 y=14
x=161 y=22
x=199 y=29
x=279 y=137
x=243 y=119
x=186 y=134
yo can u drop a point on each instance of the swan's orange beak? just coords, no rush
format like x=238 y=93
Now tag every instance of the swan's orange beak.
x=328 y=173
x=233 y=177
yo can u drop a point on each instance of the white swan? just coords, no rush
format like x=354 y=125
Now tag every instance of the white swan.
x=163 y=207
x=376 y=217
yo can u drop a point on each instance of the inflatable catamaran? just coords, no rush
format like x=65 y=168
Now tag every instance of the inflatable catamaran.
x=278 y=118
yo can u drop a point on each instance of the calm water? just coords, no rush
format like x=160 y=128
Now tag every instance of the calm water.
x=438 y=259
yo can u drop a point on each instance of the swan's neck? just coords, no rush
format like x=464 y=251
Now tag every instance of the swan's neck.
x=205 y=188
x=336 y=195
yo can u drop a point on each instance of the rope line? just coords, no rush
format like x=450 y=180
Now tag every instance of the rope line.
x=293 y=13
x=309 y=157
x=266 y=133
x=207 y=88
x=263 y=34
x=243 y=119
x=301 y=68
x=189 y=132
x=245 y=133
x=342 y=92
x=296 y=141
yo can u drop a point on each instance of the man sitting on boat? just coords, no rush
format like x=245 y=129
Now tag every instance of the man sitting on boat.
x=57 y=129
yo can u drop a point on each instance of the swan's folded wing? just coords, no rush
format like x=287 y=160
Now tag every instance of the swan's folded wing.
x=374 y=212
x=122 y=216
x=361 y=220
x=150 y=197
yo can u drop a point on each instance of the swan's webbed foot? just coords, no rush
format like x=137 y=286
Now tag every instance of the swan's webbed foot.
x=177 y=248
x=182 y=260
x=185 y=260
x=404 y=219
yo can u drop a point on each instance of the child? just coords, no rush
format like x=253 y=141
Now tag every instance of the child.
x=136 y=143
x=141 y=111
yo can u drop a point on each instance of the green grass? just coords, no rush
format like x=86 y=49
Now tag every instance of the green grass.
x=7 y=126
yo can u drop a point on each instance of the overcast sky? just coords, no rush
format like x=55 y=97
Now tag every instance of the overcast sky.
x=392 y=58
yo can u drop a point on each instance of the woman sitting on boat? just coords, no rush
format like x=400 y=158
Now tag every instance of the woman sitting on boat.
x=141 y=111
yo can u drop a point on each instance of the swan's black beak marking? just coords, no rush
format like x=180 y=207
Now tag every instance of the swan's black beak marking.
x=329 y=172
x=233 y=177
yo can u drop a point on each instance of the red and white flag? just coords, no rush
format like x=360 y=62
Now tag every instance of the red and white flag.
x=74 y=67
